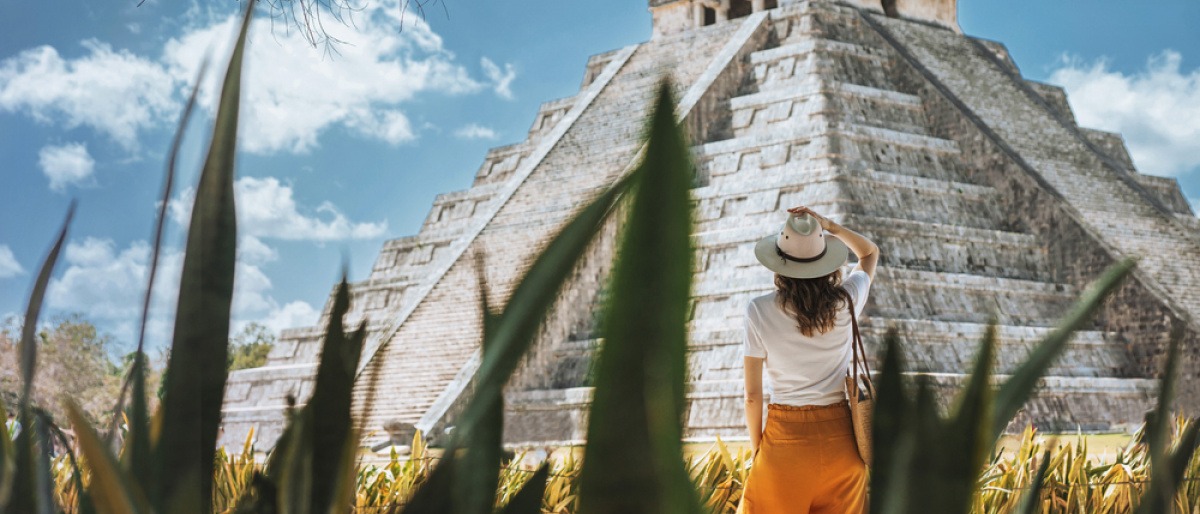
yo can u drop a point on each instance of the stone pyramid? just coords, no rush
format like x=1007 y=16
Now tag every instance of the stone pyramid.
x=985 y=196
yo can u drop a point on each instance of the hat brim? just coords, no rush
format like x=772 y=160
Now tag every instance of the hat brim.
x=835 y=256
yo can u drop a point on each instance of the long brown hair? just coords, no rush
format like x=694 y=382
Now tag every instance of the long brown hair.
x=814 y=302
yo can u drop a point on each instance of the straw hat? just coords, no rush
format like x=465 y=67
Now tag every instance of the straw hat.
x=801 y=249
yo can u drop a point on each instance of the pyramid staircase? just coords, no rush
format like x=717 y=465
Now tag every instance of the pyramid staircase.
x=876 y=122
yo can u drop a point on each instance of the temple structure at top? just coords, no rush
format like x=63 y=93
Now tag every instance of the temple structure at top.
x=988 y=200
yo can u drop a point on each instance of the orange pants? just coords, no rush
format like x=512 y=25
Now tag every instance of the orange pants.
x=807 y=462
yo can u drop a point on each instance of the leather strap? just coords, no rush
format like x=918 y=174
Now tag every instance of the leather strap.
x=860 y=357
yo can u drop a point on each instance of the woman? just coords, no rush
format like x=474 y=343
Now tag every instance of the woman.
x=806 y=460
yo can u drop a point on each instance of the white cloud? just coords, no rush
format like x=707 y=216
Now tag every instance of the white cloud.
x=267 y=209
x=1157 y=109
x=114 y=92
x=252 y=250
x=106 y=284
x=9 y=267
x=66 y=164
x=501 y=78
x=299 y=93
x=294 y=93
x=292 y=315
x=475 y=131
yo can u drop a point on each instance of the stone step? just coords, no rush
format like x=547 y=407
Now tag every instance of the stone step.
x=828 y=20
x=913 y=294
x=902 y=294
x=715 y=407
x=929 y=346
x=841 y=195
x=831 y=60
x=780 y=104
x=1063 y=404
x=940 y=247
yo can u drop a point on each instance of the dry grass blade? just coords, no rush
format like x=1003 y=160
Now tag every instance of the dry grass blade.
x=112 y=490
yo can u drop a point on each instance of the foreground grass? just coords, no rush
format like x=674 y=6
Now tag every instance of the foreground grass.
x=1099 y=473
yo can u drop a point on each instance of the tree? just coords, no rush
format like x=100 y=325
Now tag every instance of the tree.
x=250 y=347
x=73 y=361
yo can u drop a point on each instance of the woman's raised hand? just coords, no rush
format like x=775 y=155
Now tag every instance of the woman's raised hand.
x=802 y=210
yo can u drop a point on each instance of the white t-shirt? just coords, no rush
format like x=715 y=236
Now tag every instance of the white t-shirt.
x=804 y=370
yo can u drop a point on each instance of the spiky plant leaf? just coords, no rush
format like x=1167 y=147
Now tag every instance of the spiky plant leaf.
x=534 y=295
x=196 y=372
x=529 y=499
x=508 y=336
x=1029 y=502
x=331 y=400
x=478 y=476
x=344 y=477
x=436 y=495
x=112 y=490
x=7 y=464
x=1016 y=390
x=968 y=430
x=890 y=417
x=1167 y=466
x=295 y=482
x=634 y=457
x=28 y=484
x=33 y=309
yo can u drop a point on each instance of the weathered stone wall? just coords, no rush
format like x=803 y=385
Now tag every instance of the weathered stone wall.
x=1076 y=252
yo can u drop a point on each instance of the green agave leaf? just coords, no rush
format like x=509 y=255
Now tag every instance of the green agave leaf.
x=33 y=310
x=296 y=475
x=137 y=455
x=967 y=434
x=478 y=476
x=925 y=470
x=436 y=495
x=529 y=499
x=535 y=294
x=1013 y=394
x=332 y=394
x=1167 y=468
x=344 y=477
x=196 y=372
x=890 y=420
x=634 y=456
x=1029 y=502
x=507 y=337
x=28 y=480
x=7 y=464
x=111 y=489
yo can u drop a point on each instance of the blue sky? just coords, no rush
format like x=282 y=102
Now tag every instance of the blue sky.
x=343 y=152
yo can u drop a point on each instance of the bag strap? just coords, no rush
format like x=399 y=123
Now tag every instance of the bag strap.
x=859 y=369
